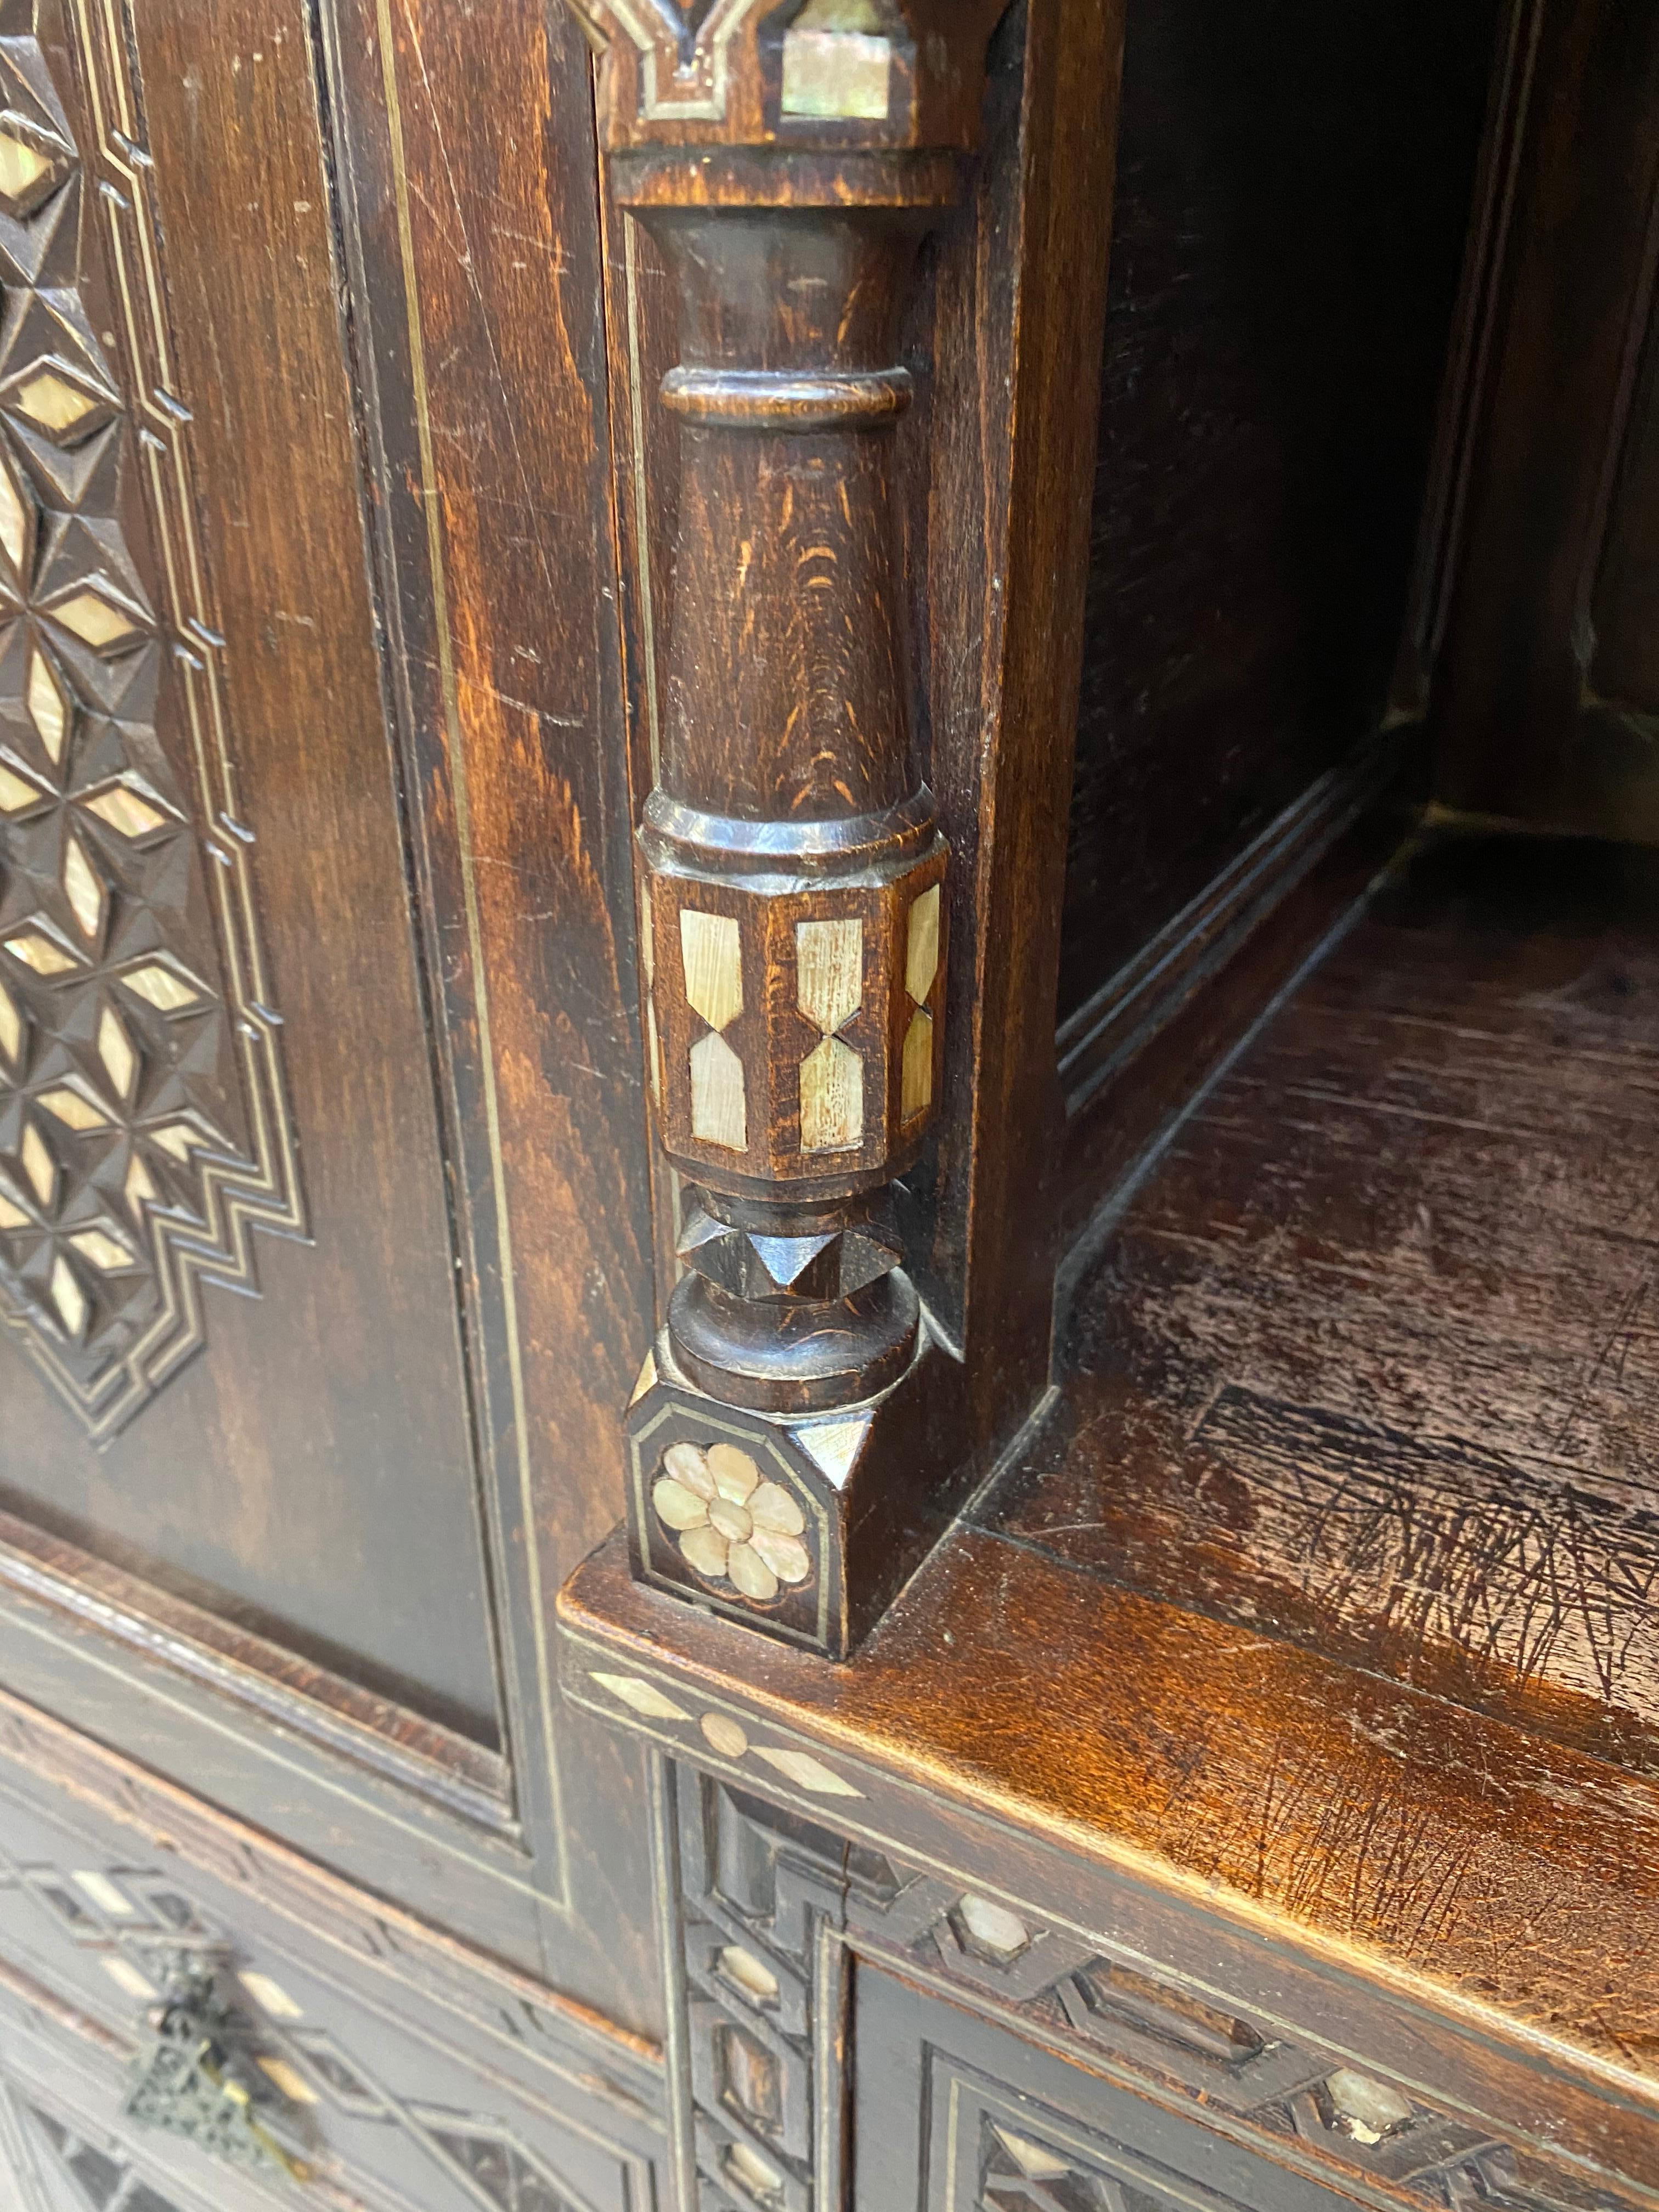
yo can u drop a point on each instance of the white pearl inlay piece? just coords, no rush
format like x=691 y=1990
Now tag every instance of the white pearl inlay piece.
x=1365 y=2108
x=643 y=1697
x=993 y=1927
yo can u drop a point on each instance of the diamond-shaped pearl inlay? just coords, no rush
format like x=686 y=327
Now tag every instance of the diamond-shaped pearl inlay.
x=102 y=1249
x=74 y=1109
x=21 y=167
x=16 y=792
x=39 y=1164
x=68 y=1297
x=14 y=513
x=125 y=810
x=163 y=987
x=82 y=887
x=95 y=622
x=54 y=402
x=115 y=1049
x=48 y=707
x=124 y=956
x=44 y=954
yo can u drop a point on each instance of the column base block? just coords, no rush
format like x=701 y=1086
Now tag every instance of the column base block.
x=803 y=1526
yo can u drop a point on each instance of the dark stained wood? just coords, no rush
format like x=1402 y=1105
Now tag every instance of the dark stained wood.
x=1289 y=215
x=307 y=1564
x=1438 y=1854
x=411 y=2021
x=285 y=1545
x=1324 y=1599
x=1626 y=670
x=472 y=235
x=959 y=2103
x=792 y=872
x=1020 y=302
x=1433 y=1850
x=999 y=332
x=770 y=508
x=1366 y=1359
x=1543 y=694
x=274 y=1683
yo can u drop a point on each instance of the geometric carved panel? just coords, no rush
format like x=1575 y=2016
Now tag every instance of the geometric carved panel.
x=143 y=1125
x=70 y=2170
x=134 y=1926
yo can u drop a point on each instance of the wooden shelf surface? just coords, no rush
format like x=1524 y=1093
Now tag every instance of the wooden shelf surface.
x=1328 y=1591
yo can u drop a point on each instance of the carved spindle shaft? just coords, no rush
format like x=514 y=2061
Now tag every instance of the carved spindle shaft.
x=794 y=872
x=793 y=854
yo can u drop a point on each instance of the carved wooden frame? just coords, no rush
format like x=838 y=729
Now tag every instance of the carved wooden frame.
x=141 y=1872
x=761 y=1939
x=150 y=1193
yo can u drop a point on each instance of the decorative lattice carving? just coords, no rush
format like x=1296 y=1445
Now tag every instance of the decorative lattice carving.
x=768 y=1902
x=99 y=2175
x=1022 y=2172
x=235 y=2061
x=143 y=1125
x=1212 y=2051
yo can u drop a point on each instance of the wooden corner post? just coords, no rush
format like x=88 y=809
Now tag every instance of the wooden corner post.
x=797 y=1417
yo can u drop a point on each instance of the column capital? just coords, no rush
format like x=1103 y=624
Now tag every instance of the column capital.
x=816 y=76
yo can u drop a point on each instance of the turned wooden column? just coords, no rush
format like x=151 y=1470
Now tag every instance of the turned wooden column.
x=794 y=879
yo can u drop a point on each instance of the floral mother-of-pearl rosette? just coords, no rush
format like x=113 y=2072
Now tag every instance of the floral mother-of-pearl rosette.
x=730 y=1524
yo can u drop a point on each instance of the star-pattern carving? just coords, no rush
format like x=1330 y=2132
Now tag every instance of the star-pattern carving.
x=1022 y=2174
x=124 y=1116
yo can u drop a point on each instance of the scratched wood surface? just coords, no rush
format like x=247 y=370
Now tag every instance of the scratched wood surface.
x=359 y=1497
x=1330 y=1585
x=1370 y=1359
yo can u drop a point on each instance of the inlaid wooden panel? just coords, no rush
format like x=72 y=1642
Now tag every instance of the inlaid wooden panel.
x=222 y=760
x=310 y=1577
x=144 y=1121
x=384 y=2083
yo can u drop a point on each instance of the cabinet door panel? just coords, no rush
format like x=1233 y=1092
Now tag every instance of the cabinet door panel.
x=965 y=2118
x=302 y=1414
x=208 y=955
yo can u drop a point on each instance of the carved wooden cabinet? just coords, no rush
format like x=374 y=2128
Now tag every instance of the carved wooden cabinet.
x=828 y=1009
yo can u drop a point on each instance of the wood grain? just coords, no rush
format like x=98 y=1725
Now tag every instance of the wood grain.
x=1544 y=704
x=1329 y=1599
x=473 y=239
x=1292 y=199
x=229 y=1489
x=1367 y=1359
